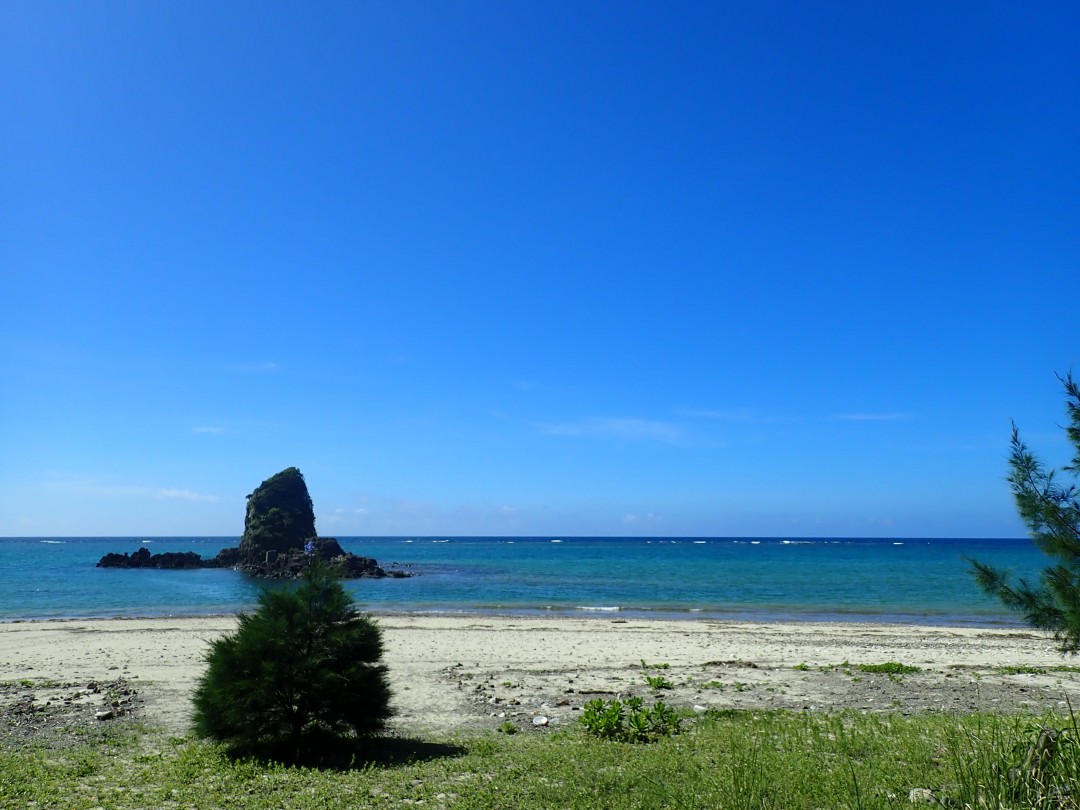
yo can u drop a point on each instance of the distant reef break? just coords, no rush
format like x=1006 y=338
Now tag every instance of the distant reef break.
x=279 y=540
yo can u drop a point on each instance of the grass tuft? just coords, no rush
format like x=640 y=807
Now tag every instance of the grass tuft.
x=889 y=668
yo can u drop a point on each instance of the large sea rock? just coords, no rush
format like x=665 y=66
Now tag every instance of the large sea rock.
x=279 y=540
x=280 y=516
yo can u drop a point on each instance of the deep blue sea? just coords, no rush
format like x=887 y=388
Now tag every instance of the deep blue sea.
x=921 y=581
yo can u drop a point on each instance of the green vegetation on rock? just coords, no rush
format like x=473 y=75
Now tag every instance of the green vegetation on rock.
x=280 y=516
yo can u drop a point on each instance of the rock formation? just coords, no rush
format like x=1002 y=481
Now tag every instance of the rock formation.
x=278 y=543
x=291 y=564
x=144 y=559
x=279 y=516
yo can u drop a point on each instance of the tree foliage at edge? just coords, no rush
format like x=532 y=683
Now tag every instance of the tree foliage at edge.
x=1051 y=511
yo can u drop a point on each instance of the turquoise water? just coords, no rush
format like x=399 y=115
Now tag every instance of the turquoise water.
x=914 y=580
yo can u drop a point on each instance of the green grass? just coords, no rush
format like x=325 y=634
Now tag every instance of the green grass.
x=658 y=682
x=1030 y=670
x=26 y=683
x=727 y=759
x=889 y=668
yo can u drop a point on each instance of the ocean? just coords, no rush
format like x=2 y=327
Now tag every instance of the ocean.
x=917 y=581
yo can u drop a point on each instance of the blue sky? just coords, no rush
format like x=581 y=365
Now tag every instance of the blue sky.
x=535 y=268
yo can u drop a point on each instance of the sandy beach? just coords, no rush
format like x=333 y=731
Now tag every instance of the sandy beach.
x=461 y=673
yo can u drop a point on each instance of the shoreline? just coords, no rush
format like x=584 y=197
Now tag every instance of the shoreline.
x=1002 y=622
x=453 y=673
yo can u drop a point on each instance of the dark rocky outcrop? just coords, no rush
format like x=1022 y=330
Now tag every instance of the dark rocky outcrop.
x=144 y=559
x=291 y=563
x=278 y=543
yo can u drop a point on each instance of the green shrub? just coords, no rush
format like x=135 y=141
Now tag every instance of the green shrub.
x=889 y=668
x=301 y=671
x=629 y=720
x=658 y=682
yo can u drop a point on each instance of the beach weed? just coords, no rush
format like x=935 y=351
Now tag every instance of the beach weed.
x=803 y=667
x=604 y=719
x=657 y=682
x=1021 y=669
x=629 y=721
x=889 y=668
x=1026 y=669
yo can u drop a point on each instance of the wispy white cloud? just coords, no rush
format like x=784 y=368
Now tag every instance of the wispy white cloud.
x=111 y=491
x=734 y=415
x=185 y=495
x=632 y=519
x=621 y=429
x=873 y=417
x=750 y=416
x=207 y=429
x=95 y=489
x=747 y=415
x=535 y=387
x=882 y=522
x=253 y=368
x=402 y=515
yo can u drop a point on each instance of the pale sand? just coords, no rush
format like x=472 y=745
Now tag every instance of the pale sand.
x=457 y=673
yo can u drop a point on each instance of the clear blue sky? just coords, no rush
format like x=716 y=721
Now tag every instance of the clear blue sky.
x=771 y=268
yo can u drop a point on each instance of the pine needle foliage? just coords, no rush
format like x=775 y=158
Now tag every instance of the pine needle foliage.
x=300 y=671
x=1051 y=511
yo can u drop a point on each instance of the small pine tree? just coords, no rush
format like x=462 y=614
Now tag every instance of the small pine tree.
x=1052 y=514
x=303 y=666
